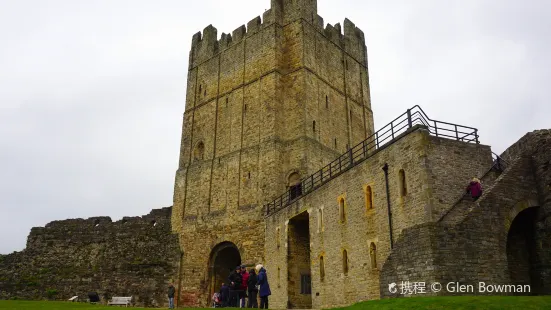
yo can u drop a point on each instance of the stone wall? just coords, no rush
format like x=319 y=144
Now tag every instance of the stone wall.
x=136 y=256
x=272 y=101
x=364 y=233
x=483 y=246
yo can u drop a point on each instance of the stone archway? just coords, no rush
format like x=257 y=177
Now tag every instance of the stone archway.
x=522 y=248
x=224 y=258
x=294 y=185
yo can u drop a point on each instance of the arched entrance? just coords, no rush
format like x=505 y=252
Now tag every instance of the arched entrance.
x=522 y=249
x=223 y=260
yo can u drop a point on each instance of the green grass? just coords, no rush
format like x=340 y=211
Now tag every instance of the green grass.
x=51 y=305
x=458 y=302
x=415 y=303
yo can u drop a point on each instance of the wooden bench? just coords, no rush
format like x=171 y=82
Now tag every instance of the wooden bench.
x=120 y=301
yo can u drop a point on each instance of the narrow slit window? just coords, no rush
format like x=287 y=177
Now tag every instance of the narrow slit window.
x=314 y=126
x=278 y=241
x=342 y=212
x=368 y=197
x=345 y=262
x=403 y=185
x=322 y=268
x=320 y=220
x=373 y=255
x=326 y=102
x=335 y=142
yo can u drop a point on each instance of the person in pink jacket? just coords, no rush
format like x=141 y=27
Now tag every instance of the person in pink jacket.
x=475 y=189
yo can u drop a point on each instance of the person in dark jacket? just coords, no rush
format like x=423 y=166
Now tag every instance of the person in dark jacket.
x=244 y=279
x=235 y=280
x=171 y=292
x=264 y=290
x=475 y=189
x=224 y=295
x=251 y=288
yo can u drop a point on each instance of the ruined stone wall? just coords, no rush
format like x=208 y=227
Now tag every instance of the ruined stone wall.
x=136 y=256
x=475 y=247
x=417 y=153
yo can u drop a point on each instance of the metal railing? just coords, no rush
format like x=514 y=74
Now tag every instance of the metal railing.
x=414 y=117
x=499 y=164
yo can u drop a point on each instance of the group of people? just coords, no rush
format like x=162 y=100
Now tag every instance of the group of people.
x=243 y=288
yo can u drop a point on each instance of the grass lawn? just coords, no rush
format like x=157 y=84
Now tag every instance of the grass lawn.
x=461 y=303
x=51 y=305
x=458 y=302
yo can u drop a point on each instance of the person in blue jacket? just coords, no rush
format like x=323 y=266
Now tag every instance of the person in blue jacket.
x=264 y=286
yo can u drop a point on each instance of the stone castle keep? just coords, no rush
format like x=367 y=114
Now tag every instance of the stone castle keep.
x=280 y=165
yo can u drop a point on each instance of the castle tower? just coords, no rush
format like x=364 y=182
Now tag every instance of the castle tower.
x=266 y=105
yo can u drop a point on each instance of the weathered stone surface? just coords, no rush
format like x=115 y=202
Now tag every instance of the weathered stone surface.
x=270 y=103
x=496 y=240
x=426 y=160
x=267 y=105
x=136 y=256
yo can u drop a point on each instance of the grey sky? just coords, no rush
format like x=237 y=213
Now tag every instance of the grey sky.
x=92 y=92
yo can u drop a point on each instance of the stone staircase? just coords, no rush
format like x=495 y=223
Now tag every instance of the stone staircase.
x=465 y=205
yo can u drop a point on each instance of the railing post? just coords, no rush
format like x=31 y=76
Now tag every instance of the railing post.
x=364 y=147
x=392 y=129
x=476 y=136
x=435 y=128
x=312 y=180
x=377 y=139
x=456 y=133
x=350 y=157
x=409 y=119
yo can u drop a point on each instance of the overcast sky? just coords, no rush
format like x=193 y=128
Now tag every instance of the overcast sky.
x=92 y=92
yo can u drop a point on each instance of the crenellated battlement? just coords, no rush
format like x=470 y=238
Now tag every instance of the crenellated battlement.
x=352 y=40
x=206 y=44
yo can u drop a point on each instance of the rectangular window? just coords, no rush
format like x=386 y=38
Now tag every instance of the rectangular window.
x=305 y=284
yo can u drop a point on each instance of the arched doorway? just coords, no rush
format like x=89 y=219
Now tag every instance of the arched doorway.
x=223 y=260
x=294 y=185
x=522 y=249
